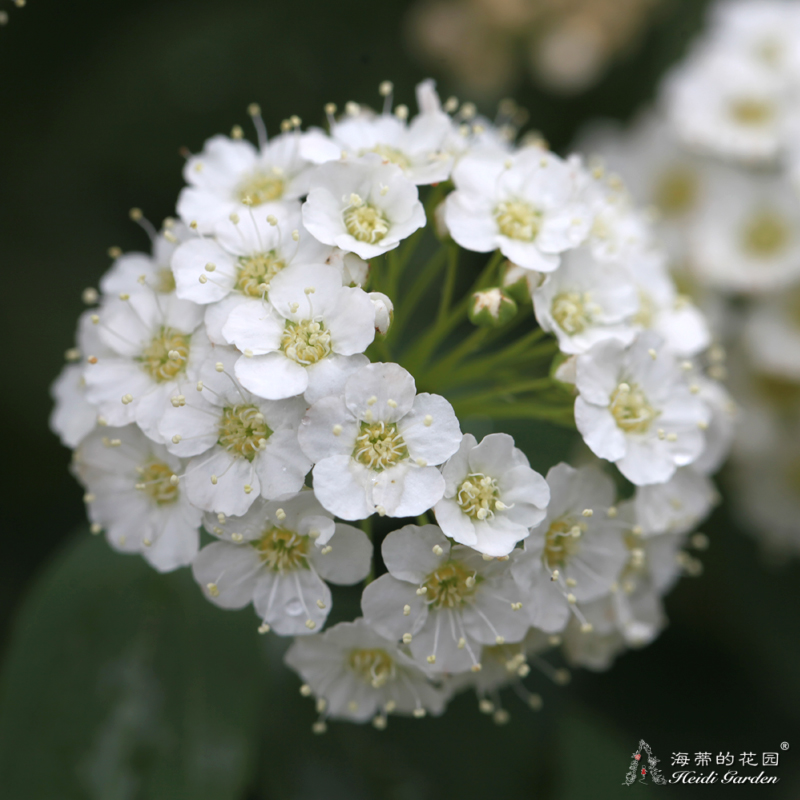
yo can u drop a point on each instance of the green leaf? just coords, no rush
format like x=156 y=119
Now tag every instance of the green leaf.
x=121 y=684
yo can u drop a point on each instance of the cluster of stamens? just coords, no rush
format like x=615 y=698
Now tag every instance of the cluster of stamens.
x=631 y=409
x=561 y=542
x=479 y=497
x=751 y=111
x=365 y=222
x=379 y=445
x=765 y=234
x=518 y=220
x=157 y=482
x=375 y=666
x=256 y=271
x=306 y=342
x=261 y=187
x=572 y=311
x=165 y=356
x=449 y=586
x=243 y=430
x=282 y=550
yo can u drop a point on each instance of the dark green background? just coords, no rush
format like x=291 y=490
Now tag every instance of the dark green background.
x=119 y=684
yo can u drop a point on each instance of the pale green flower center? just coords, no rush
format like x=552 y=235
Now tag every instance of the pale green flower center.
x=282 y=550
x=631 y=409
x=256 y=271
x=572 y=311
x=261 y=187
x=165 y=356
x=478 y=496
x=451 y=585
x=365 y=222
x=391 y=154
x=155 y=480
x=518 y=220
x=751 y=111
x=374 y=666
x=243 y=431
x=379 y=445
x=766 y=234
x=676 y=191
x=562 y=541
x=306 y=342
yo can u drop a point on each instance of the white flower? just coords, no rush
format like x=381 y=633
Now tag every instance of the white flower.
x=366 y=206
x=746 y=237
x=155 y=350
x=772 y=335
x=721 y=429
x=244 y=256
x=73 y=416
x=586 y=301
x=576 y=553
x=526 y=204
x=134 y=493
x=229 y=176
x=657 y=172
x=278 y=556
x=417 y=148
x=635 y=409
x=446 y=601
x=357 y=674
x=376 y=448
x=307 y=340
x=723 y=104
x=674 y=317
x=243 y=446
x=677 y=506
x=492 y=496
x=130 y=271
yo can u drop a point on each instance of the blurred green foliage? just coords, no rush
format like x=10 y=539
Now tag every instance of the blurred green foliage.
x=120 y=683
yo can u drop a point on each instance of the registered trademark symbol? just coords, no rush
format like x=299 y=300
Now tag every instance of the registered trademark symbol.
x=784 y=745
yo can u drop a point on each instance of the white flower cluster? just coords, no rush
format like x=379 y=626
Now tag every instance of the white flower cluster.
x=719 y=159
x=223 y=383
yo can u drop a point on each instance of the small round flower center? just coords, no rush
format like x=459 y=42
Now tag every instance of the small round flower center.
x=242 y=430
x=155 y=481
x=631 y=409
x=253 y=271
x=374 y=666
x=562 y=542
x=165 y=281
x=282 y=550
x=451 y=585
x=366 y=223
x=766 y=234
x=676 y=192
x=478 y=496
x=379 y=445
x=391 y=154
x=572 y=311
x=261 y=187
x=518 y=220
x=751 y=111
x=165 y=356
x=306 y=342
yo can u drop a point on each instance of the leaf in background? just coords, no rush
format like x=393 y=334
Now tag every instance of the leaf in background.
x=121 y=683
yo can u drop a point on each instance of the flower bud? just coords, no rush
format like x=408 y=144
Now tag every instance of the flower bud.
x=519 y=283
x=491 y=308
x=384 y=311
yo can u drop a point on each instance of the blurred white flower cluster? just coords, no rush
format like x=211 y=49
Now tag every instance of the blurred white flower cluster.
x=719 y=159
x=566 y=45
x=257 y=378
